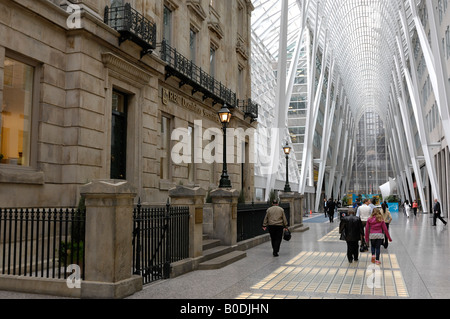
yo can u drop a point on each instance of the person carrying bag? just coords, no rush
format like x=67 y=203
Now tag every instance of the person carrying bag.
x=387 y=220
x=275 y=220
x=375 y=232
x=351 y=230
x=364 y=212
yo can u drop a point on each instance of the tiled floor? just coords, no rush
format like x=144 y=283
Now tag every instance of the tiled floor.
x=328 y=272
x=313 y=265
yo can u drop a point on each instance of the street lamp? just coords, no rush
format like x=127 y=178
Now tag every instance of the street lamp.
x=224 y=117
x=287 y=150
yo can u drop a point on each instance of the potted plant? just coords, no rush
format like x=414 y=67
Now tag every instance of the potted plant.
x=346 y=201
x=272 y=196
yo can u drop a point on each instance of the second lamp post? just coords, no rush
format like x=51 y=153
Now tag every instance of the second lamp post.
x=287 y=150
x=224 y=116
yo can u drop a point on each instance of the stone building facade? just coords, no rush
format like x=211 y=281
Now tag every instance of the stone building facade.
x=85 y=96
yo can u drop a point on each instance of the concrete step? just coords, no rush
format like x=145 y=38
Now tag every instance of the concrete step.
x=215 y=252
x=223 y=260
x=210 y=243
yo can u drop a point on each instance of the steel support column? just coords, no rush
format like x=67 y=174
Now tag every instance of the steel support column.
x=280 y=116
x=307 y=145
x=326 y=133
x=436 y=67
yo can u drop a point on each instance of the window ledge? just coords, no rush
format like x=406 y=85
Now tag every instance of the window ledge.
x=13 y=174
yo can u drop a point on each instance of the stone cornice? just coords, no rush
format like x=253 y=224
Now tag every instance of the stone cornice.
x=195 y=6
x=171 y=4
x=241 y=47
x=119 y=65
x=216 y=28
x=250 y=6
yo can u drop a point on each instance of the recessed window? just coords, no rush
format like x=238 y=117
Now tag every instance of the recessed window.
x=119 y=136
x=212 y=61
x=167 y=21
x=16 y=110
x=165 y=148
x=193 y=45
x=191 y=165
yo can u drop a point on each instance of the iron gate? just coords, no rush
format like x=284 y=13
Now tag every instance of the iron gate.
x=160 y=237
x=250 y=218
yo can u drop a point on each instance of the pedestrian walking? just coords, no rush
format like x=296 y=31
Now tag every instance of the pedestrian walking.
x=375 y=231
x=407 y=207
x=387 y=220
x=363 y=212
x=275 y=220
x=330 y=209
x=437 y=212
x=325 y=207
x=351 y=230
x=372 y=204
x=415 y=206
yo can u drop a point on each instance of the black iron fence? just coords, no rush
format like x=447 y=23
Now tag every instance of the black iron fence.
x=249 y=108
x=41 y=242
x=132 y=26
x=191 y=74
x=160 y=237
x=250 y=219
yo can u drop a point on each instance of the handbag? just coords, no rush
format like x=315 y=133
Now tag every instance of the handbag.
x=364 y=246
x=287 y=235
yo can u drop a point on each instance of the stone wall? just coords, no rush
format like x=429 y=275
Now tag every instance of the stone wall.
x=76 y=71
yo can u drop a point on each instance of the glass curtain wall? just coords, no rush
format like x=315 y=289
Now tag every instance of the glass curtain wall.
x=372 y=167
x=298 y=102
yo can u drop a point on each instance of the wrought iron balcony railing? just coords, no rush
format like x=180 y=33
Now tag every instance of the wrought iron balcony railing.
x=249 y=108
x=194 y=76
x=132 y=26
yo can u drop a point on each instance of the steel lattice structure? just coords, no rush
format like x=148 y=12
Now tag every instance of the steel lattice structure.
x=364 y=57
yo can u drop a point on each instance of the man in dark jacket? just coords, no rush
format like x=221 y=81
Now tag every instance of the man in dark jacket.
x=351 y=230
x=437 y=212
x=330 y=209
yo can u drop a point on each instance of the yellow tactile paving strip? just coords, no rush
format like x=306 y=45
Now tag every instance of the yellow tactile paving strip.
x=314 y=273
x=331 y=236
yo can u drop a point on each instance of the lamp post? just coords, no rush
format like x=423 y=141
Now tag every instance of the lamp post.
x=287 y=150
x=224 y=117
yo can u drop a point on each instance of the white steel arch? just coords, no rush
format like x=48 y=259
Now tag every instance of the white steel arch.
x=366 y=55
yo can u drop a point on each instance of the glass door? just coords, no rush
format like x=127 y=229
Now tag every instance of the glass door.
x=119 y=136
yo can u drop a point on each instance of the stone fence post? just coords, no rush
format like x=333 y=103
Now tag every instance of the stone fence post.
x=296 y=207
x=194 y=199
x=108 y=241
x=225 y=215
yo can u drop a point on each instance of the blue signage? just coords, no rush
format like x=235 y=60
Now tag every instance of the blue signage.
x=393 y=207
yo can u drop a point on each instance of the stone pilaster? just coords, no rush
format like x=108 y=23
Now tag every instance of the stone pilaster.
x=225 y=215
x=194 y=198
x=296 y=208
x=108 y=241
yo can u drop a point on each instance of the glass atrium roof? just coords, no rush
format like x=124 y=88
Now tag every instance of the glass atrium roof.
x=362 y=37
x=266 y=23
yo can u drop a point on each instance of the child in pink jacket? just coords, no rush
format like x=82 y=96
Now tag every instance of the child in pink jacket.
x=375 y=230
